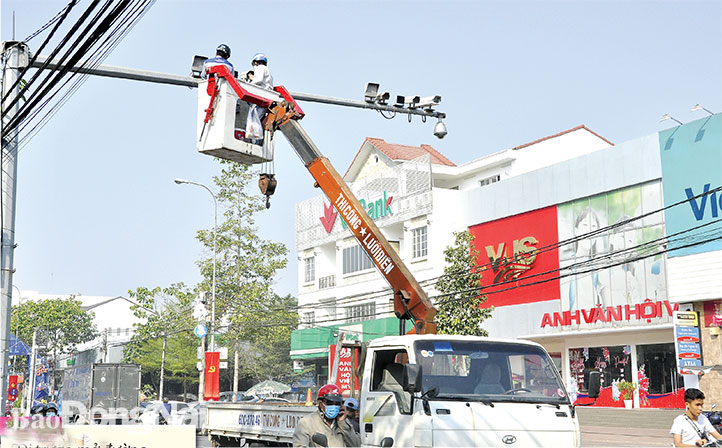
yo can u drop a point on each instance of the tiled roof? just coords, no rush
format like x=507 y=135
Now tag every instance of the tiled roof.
x=405 y=152
x=581 y=126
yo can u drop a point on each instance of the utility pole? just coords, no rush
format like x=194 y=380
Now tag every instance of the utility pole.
x=30 y=385
x=235 y=372
x=15 y=57
x=162 y=366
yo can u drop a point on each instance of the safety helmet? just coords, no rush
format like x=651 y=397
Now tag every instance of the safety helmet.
x=330 y=392
x=223 y=51
x=260 y=57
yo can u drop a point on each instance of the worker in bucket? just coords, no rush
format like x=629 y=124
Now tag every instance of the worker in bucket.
x=262 y=78
x=223 y=52
x=327 y=423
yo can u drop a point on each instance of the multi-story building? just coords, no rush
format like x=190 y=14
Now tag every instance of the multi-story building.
x=573 y=239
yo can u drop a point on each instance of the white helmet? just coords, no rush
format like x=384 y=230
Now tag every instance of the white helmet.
x=260 y=57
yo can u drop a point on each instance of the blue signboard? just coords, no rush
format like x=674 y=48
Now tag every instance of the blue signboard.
x=692 y=172
x=686 y=334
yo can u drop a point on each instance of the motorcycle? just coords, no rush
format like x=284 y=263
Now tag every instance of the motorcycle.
x=714 y=417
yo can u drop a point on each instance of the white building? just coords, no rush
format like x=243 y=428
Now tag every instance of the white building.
x=584 y=247
x=418 y=199
x=113 y=319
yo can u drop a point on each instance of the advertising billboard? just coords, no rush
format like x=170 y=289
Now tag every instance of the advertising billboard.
x=612 y=268
x=519 y=258
x=692 y=172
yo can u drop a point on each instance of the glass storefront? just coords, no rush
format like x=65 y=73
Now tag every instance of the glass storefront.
x=612 y=362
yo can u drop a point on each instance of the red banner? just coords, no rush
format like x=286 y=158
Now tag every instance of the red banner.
x=345 y=368
x=12 y=387
x=713 y=313
x=213 y=361
x=515 y=254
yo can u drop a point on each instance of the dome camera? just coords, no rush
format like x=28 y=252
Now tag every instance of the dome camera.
x=440 y=129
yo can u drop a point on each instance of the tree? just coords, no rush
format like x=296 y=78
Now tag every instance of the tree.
x=459 y=311
x=61 y=324
x=246 y=267
x=166 y=321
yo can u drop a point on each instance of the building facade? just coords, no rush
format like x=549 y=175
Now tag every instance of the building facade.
x=573 y=241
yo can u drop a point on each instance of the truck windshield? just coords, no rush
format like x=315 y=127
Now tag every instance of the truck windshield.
x=489 y=371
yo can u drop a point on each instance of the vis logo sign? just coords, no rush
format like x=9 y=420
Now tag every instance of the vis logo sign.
x=508 y=266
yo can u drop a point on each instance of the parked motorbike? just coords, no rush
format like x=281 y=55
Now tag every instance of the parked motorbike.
x=714 y=417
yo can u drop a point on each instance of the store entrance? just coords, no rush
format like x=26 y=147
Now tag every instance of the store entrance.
x=658 y=372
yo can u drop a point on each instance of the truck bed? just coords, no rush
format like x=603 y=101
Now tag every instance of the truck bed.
x=255 y=421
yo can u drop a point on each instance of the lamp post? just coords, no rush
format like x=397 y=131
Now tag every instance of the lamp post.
x=215 y=227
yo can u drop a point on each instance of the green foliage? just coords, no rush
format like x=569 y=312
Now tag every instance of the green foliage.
x=246 y=266
x=626 y=389
x=61 y=324
x=248 y=314
x=166 y=314
x=459 y=312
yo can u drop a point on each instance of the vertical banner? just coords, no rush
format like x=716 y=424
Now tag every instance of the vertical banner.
x=12 y=387
x=687 y=341
x=345 y=368
x=212 y=377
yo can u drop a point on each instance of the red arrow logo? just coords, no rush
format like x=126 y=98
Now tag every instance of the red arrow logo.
x=329 y=217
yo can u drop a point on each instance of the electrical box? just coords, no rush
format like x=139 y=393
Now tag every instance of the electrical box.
x=224 y=136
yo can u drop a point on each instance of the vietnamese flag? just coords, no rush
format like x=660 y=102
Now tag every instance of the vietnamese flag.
x=211 y=391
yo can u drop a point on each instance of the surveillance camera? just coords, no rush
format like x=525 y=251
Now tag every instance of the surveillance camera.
x=440 y=130
x=428 y=102
x=412 y=101
x=383 y=97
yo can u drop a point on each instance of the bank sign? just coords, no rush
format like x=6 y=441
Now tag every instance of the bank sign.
x=375 y=209
x=692 y=174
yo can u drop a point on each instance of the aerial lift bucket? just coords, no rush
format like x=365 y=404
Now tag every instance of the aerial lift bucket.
x=221 y=133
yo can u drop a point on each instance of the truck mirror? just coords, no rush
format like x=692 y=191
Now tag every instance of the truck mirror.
x=411 y=381
x=319 y=439
x=594 y=384
x=387 y=442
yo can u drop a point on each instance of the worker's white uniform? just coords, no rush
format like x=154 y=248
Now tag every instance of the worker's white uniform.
x=254 y=130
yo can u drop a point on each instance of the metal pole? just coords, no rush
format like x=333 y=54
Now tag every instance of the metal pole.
x=215 y=250
x=188 y=81
x=30 y=385
x=14 y=55
x=162 y=366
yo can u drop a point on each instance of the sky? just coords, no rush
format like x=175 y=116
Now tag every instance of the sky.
x=98 y=212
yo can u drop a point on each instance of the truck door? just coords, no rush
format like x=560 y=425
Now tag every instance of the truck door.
x=386 y=410
x=103 y=391
x=128 y=385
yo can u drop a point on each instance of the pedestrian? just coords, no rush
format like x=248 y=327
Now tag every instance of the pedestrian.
x=350 y=409
x=693 y=428
x=327 y=421
x=223 y=53
x=262 y=78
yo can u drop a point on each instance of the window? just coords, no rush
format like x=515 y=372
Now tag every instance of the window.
x=418 y=237
x=366 y=311
x=309 y=269
x=308 y=318
x=490 y=180
x=355 y=259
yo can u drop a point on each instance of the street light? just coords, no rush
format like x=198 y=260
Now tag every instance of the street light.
x=700 y=107
x=666 y=117
x=215 y=227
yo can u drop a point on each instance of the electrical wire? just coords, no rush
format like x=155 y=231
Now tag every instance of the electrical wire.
x=96 y=59
x=50 y=22
x=124 y=24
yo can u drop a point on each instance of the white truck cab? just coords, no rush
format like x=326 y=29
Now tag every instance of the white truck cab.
x=446 y=390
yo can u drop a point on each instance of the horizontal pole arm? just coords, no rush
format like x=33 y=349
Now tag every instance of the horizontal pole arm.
x=111 y=71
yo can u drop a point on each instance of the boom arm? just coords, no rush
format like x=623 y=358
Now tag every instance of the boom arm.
x=410 y=301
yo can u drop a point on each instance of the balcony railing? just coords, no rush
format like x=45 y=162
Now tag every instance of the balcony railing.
x=327 y=282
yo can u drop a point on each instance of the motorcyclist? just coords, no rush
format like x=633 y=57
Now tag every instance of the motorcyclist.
x=326 y=421
x=693 y=428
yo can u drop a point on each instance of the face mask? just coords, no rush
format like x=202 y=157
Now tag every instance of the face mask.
x=332 y=411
